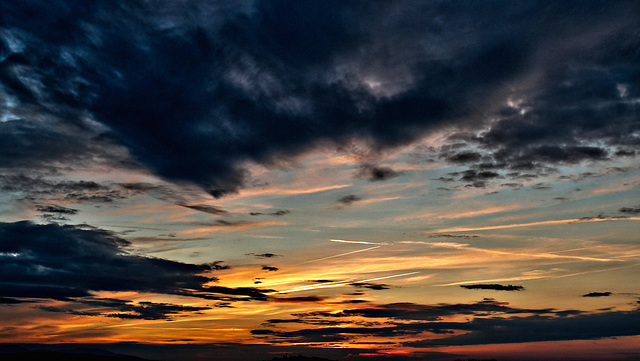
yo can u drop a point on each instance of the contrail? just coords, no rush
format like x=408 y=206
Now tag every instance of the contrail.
x=341 y=254
x=462 y=246
x=526 y=278
x=541 y=223
x=360 y=242
x=342 y=283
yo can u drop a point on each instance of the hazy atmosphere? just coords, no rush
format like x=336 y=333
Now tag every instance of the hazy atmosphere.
x=353 y=180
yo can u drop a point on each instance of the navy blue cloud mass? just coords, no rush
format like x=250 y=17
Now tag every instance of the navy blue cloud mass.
x=194 y=89
x=62 y=262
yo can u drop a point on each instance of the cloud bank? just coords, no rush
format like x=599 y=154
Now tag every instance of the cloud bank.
x=193 y=90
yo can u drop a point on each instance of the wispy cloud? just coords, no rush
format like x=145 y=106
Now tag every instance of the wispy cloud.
x=535 y=224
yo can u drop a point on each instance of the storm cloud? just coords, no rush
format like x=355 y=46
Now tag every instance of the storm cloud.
x=98 y=71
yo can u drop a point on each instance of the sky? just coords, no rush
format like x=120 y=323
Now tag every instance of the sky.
x=354 y=180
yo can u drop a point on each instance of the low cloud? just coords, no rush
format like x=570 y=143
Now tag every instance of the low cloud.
x=56 y=209
x=124 y=309
x=597 y=294
x=630 y=210
x=277 y=213
x=348 y=199
x=495 y=287
x=377 y=173
x=263 y=255
x=371 y=286
x=205 y=208
x=486 y=322
x=60 y=262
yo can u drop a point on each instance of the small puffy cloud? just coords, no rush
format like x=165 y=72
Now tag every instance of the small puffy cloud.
x=376 y=173
x=492 y=286
x=280 y=212
x=348 y=199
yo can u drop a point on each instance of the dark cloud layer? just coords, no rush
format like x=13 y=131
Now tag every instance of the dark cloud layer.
x=60 y=262
x=488 y=322
x=125 y=309
x=193 y=89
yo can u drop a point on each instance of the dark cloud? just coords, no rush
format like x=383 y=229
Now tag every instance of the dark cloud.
x=269 y=268
x=393 y=320
x=206 y=209
x=540 y=186
x=446 y=235
x=56 y=209
x=412 y=311
x=540 y=328
x=125 y=309
x=33 y=188
x=493 y=286
x=349 y=199
x=301 y=299
x=487 y=322
x=376 y=173
x=630 y=210
x=372 y=286
x=443 y=179
x=597 y=294
x=464 y=157
x=221 y=223
x=10 y=301
x=263 y=255
x=280 y=212
x=54 y=213
x=60 y=262
x=195 y=89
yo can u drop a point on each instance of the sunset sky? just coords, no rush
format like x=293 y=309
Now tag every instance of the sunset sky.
x=362 y=180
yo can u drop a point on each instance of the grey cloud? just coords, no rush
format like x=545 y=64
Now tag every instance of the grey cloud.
x=48 y=188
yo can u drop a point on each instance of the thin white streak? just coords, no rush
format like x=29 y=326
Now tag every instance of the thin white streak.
x=343 y=283
x=360 y=242
x=525 y=278
x=541 y=223
x=462 y=246
x=341 y=254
